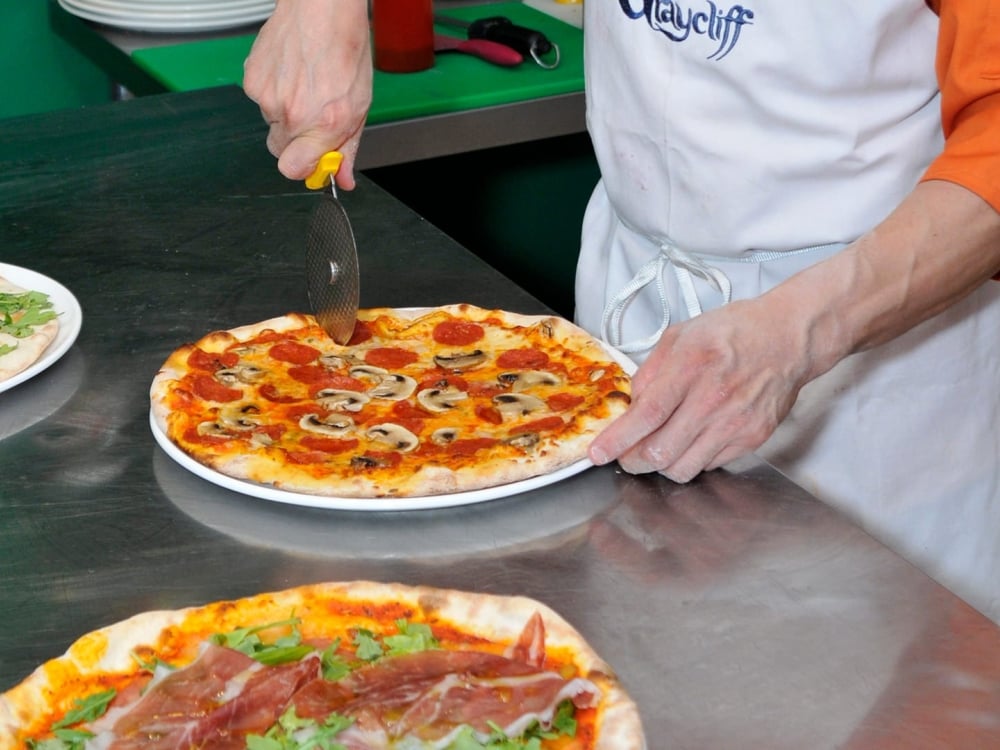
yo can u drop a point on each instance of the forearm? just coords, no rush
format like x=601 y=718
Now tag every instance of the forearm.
x=941 y=243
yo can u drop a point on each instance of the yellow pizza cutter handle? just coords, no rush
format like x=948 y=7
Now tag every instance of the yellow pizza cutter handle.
x=326 y=169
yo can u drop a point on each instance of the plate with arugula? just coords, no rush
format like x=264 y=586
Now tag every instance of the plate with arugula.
x=45 y=297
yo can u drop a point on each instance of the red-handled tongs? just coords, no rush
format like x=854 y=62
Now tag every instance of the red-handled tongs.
x=494 y=52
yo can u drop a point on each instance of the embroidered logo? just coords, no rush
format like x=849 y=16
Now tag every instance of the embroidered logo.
x=677 y=23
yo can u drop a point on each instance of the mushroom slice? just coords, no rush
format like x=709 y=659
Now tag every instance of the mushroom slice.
x=546 y=327
x=526 y=440
x=214 y=429
x=339 y=360
x=368 y=372
x=394 y=435
x=459 y=361
x=239 y=374
x=444 y=435
x=394 y=387
x=440 y=399
x=338 y=400
x=519 y=381
x=261 y=439
x=596 y=375
x=513 y=405
x=368 y=462
x=335 y=424
x=240 y=416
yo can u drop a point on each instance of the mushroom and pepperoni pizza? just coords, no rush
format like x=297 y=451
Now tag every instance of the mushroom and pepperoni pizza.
x=418 y=403
x=332 y=666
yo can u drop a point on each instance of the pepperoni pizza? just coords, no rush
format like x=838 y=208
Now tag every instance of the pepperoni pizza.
x=418 y=402
x=335 y=666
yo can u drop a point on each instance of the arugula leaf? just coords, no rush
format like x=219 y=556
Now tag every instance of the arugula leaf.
x=292 y=732
x=334 y=667
x=286 y=649
x=84 y=710
x=87 y=709
x=412 y=637
x=31 y=308
x=563 y=723
x=367 y=646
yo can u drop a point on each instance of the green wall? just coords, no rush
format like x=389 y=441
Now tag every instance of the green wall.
x=520 y=208
x=38 y=70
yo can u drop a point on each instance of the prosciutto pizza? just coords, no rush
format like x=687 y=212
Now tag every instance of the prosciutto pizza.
x=334 y=666
x=417 y=403
x=28 y=324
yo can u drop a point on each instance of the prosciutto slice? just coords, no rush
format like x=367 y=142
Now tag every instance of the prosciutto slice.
x=213 y=702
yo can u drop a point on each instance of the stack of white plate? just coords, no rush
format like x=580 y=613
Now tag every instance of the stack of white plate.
x=171 y=15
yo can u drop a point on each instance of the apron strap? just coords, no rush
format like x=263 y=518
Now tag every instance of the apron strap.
x=684 y=266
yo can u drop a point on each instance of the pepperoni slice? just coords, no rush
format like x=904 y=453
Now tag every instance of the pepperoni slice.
x=199 y=359
x=538 y=425
x=489 y=414
x=307 y=457
x=564 y=401
x=308 y=374
x=390 y=357
x=272 y=394
x=294 y=353
x=457 y=332
x=469 y=446
x=523 y=359
x=406 y=410
x=337 y=382
x=208 y=388
x=362 y=333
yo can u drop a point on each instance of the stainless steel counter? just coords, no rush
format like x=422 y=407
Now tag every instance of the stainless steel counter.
x=739 y=611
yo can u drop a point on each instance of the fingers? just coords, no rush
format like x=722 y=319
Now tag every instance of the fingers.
x=712 y=390
x=309 y=70
x=628 y=435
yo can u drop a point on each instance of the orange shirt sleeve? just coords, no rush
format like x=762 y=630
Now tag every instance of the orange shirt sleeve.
x=968 y=71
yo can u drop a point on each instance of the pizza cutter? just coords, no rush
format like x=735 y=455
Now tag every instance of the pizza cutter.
x=331 y=256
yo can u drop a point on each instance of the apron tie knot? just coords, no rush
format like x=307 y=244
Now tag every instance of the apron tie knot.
x=685 y=266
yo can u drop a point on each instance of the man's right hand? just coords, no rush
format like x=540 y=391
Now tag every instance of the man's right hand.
x=310 y=72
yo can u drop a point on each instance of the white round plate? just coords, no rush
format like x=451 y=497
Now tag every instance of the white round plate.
x=185 y=8
x=63 y=302
x=450 y=500
x=169 y=22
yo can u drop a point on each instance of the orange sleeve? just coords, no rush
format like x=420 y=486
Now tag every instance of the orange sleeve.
x=968 y=71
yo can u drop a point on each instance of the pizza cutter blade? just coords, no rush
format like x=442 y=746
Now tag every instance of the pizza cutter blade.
x=332 y=275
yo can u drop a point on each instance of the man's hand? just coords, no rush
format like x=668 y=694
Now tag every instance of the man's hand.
x=713 y=389
x=310 y=71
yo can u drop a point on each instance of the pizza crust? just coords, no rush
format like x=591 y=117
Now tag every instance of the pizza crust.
x=30 y=348
x=550 y=454
x=495 y=618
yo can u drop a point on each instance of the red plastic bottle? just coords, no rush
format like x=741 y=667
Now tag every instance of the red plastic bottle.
x=403 y=35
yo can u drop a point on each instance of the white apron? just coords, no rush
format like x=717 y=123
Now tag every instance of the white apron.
x=740 y=144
